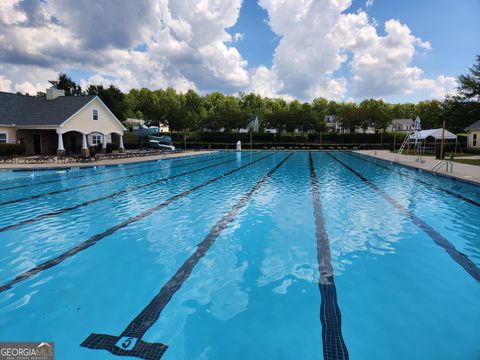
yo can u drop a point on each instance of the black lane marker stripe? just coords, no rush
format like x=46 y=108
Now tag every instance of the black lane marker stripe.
x=130 y=342
x=55 y=192
x=98 y=237
x=462 y=259
x=458 y=196
x=112 y=195
x=330 y=316
x=148 y=163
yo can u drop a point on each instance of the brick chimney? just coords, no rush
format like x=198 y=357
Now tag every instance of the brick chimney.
x=53 y=93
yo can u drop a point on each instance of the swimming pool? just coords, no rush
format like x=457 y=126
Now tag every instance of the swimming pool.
x=252 y=255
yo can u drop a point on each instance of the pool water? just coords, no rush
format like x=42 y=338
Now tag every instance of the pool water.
x=252 y=255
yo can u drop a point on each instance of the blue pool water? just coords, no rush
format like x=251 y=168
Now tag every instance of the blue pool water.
x=252 y=255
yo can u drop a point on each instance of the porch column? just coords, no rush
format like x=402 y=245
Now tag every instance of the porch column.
x=120 y=145
x=60 y=148
x=85 y=150
x=104 y=144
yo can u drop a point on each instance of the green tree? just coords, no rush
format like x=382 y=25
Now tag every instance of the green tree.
x=320 y=108
x=276 y=114
x=430 y=113
x=65 y=83
x=351 y=116
x=193 y=111
x=376 y=114
x=469 y=84
x=112 y=97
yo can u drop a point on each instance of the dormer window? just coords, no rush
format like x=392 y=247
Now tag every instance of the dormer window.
x=95 y=114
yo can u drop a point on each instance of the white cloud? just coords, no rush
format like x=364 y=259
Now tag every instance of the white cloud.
x=323 y=49
x=5 y=84
x=237 y=37
x=321 y=42
x=185 y=41
x=307 y=55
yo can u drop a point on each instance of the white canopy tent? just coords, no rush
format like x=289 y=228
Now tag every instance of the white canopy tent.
x=435 y=133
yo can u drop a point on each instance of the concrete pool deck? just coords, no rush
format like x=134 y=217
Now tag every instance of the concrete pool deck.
x=104 y=162
x=465 y=172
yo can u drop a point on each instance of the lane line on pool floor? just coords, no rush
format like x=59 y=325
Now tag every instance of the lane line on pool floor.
x=129 y=342
x=106 y=197
x=98 y=237
x=97 y=171
x=61 y=191
x=460 y=258
x=452 y=193
x=334 y=347
x=102 y=172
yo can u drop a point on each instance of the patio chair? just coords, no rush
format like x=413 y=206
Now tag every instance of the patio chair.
x=7 y=159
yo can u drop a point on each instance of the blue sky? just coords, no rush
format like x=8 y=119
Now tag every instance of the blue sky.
x=452 y=28
x=339 y=49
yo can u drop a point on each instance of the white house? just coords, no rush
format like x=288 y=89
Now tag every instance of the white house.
x=400 y=125
x=333 y=123
x=56 y=122
x=473 y=135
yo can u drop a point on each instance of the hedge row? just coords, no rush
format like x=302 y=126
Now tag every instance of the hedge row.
x=286 y=146
x=12 y=149
x=222 y=140
x=215 y=137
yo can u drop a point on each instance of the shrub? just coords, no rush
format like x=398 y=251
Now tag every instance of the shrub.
x=12 y=149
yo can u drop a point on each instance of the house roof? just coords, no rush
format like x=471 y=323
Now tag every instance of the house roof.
x=402 y=121
x=474 y=126
x=30 y=110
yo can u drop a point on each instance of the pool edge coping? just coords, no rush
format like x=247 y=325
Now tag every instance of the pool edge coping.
x=419 y=169
x=80 y=166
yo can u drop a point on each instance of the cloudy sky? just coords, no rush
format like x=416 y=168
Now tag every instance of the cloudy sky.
x=405 y=50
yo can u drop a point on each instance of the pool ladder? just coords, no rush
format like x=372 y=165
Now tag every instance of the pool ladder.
x=402 y=147
x=446 y=163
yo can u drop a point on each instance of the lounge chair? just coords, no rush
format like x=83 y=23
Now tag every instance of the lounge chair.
x=7 y=159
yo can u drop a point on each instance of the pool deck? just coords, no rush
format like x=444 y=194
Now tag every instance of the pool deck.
x=465 y=172
x=105 y=162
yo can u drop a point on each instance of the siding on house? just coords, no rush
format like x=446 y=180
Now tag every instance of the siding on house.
x=10 y=131
x=83 y=120
x=472 y=142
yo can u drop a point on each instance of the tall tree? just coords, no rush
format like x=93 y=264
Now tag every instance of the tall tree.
x=469 y=84
x=65 y=83
x=351 y=116
x=112 y=97
x=376 y=113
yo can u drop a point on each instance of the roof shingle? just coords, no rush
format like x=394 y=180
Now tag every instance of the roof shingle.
x=474 y=126
x=30 y=110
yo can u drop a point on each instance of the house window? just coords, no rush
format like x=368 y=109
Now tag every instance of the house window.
x=95 y=114
x=97 y=138
x=474 y=140
x=3 y=137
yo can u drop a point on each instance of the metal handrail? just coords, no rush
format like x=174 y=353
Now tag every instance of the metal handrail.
x=447 y=164
x=359 y=146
